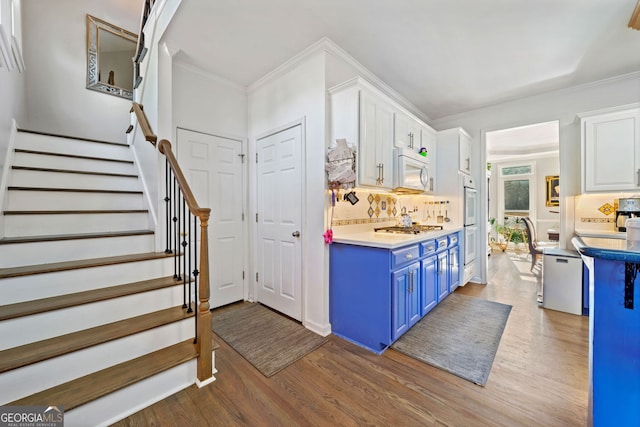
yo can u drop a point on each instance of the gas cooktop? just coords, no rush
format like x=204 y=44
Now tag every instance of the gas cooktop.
x=414 y=229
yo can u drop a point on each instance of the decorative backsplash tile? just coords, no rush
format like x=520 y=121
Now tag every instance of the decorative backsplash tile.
x=607 y=209
x=359 y=221
x=598 y=220
x=375 y=207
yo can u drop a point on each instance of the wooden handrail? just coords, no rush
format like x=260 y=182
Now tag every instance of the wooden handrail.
x=144 y=123
x=204 y=332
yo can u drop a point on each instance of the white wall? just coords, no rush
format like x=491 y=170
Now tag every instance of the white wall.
x=561 y=105
x=11 y=95
x=57 y=100
x=297 y=94
x=206 y=103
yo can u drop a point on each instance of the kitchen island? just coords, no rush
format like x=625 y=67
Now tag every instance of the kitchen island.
x=614 y=330
x=381 y=284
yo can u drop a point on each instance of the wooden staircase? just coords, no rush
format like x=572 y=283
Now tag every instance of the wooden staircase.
x=91 y=317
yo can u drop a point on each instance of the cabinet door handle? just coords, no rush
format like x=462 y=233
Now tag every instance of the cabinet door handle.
x=638 y=177
x=381 y=173
x=411 y=282
x=379 y=178
x=430 y=184
x=408 y=256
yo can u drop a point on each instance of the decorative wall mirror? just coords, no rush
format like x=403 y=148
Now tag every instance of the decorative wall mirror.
x=110 y=50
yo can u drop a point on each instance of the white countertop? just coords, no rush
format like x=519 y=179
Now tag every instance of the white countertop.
x=387 y=240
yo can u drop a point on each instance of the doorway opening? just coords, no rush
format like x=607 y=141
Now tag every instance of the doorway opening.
x=521 y=162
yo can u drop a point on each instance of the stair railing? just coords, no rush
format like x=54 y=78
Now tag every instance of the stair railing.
x=182 y=210
x=141 y=49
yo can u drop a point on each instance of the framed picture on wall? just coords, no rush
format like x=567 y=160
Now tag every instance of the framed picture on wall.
x=553 y=190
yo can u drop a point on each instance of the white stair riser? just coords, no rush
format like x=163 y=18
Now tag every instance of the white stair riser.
x=18 y=200
x=28 y=178
x=19 y=254
x=122 y=403
x=29 y=141
x=51 y=324
x=37 y=286
x=57 y=162
x=41 y=376
x=48 y=225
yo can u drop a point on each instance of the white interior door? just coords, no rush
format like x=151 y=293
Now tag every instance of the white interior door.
x=279 y=218
x=213 y=168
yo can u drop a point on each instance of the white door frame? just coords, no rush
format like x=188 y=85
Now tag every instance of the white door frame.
x=253 y=234
x=245 y=193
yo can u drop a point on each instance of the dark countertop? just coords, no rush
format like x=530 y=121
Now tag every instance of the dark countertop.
x=608 y=248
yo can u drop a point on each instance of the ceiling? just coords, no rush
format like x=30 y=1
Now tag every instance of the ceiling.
x=444 y=57
x=537 y=140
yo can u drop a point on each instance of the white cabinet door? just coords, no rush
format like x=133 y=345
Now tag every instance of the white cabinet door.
x=375 y=158
x=611 y=151
x=464 y=147
x=407 y=132
x=428 y=141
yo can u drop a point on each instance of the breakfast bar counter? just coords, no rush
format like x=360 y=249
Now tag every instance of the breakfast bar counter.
x=614 y=329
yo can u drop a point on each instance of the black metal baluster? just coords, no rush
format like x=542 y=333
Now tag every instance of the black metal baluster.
x=191 y=251
x=185 y=273
x=195 y=272
x=176 y=274
x=176 y=230
x=167 y=199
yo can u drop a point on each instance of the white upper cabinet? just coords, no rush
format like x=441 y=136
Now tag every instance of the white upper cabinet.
x=407 y=132
x=611 y=150
x=456 y=143
x=365 y=120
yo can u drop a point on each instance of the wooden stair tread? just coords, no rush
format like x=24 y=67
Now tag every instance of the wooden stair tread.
x=58 y=237
x=56 y=135
x=77 y=264
x=81 y=212
x=73 y=156
x=36 y=169
x=74 y=190
x=93 y=386
x=26 y=308
x=16 y=357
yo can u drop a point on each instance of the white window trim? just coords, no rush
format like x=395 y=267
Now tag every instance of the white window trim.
x=532 y=187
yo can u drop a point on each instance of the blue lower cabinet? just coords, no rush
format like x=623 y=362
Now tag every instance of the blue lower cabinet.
x=428 y=284
x=405 y=299
x=454 y=268
x=442 y=274
x=377 y=294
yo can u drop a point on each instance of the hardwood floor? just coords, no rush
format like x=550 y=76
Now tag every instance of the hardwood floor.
x=539 y=377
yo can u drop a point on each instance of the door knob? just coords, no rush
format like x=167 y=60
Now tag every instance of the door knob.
x=296 y=234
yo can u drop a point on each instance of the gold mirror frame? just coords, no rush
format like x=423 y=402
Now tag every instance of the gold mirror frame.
x=94 y=25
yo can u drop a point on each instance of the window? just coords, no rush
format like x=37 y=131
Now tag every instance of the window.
x=516 y=194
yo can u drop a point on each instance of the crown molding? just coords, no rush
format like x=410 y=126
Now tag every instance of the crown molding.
x=326 y=45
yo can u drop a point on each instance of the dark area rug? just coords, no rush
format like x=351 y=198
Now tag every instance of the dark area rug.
x=268 y=340
x=460 y=335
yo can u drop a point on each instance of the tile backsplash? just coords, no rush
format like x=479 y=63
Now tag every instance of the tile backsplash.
x=377 y=207
x=597 y=212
